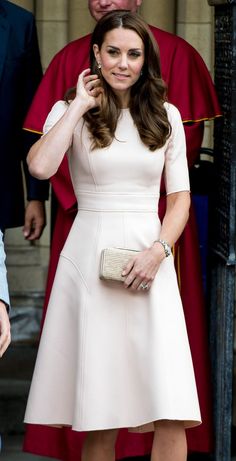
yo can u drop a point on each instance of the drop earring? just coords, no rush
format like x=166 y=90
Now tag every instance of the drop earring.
x=99 y=65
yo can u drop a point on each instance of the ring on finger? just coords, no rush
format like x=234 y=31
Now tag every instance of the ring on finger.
x=144 y=286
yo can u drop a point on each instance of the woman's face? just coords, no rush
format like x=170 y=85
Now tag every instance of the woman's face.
x=100 y=7
x=121 y=57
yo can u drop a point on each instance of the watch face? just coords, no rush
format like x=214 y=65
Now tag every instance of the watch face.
x=166 y=247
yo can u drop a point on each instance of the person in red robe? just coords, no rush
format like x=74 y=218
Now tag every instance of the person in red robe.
x=191 y=90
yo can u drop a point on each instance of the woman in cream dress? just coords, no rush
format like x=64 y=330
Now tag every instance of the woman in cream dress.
x=115 y=355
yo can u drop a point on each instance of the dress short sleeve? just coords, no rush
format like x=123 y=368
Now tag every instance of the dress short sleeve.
x=54 y=115
x=176 y=167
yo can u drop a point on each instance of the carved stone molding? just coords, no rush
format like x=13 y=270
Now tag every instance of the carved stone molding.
x=221 y=2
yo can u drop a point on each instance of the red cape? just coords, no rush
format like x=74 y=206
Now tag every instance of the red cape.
x=191 y=89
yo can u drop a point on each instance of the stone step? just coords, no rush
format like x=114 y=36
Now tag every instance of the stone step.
x=17 y=364
x=30 y=255
x=27 y=267
x=25 y=324
x=27 y=298
x=27 y=262
x=25 y=316
x=12 y=405
x=27 y=278
x=12 y=450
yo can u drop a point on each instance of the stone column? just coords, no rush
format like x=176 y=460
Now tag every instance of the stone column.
x=27 y=4
x=161 y=13
x=80 y=21
x=195 y=23
x=52 y=24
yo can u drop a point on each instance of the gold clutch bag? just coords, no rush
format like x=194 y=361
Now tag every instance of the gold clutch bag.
x=113 y=261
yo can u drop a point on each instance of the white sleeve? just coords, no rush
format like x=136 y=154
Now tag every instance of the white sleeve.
x=176 y=166
x=54 y=115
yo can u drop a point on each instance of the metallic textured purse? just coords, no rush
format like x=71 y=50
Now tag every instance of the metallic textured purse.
x=113 y=261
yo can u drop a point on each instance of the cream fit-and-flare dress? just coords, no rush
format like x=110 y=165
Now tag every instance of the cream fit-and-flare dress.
x=110 y=357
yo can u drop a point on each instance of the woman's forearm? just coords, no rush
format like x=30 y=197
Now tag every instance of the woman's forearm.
x=175 y=219
x=45 y=156
x=176 y=216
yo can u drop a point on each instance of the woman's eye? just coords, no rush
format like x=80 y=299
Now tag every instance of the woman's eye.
x=134 y=54
x=112 y=52
x=131 y=54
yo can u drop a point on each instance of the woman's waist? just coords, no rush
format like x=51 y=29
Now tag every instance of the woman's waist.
x=121 y=202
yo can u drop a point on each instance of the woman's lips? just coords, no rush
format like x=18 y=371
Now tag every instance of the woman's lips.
x=120 y=76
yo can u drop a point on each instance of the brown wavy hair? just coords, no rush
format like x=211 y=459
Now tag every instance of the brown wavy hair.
x=147 y=95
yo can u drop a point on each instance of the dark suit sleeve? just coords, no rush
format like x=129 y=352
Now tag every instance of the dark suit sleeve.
x=4 y=293
x=36 y=189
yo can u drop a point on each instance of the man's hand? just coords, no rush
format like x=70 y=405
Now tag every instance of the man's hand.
x=35 y=220
x=5 y=329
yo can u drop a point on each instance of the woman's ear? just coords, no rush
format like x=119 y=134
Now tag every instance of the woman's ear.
x=96 y=52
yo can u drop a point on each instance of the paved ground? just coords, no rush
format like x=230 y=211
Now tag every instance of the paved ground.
x=11 y=451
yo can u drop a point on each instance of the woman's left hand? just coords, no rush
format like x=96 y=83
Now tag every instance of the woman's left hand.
x=142 y=269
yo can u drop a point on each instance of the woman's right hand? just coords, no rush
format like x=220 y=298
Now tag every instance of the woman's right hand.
x=88 y=89
x=46 y=155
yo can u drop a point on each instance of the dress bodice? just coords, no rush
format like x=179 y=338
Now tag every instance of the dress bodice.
x=127 y=166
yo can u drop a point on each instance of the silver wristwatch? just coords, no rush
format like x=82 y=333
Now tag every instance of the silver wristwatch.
x=166 y=246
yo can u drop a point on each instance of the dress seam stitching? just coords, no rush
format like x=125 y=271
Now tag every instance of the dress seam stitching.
x=76 y=267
